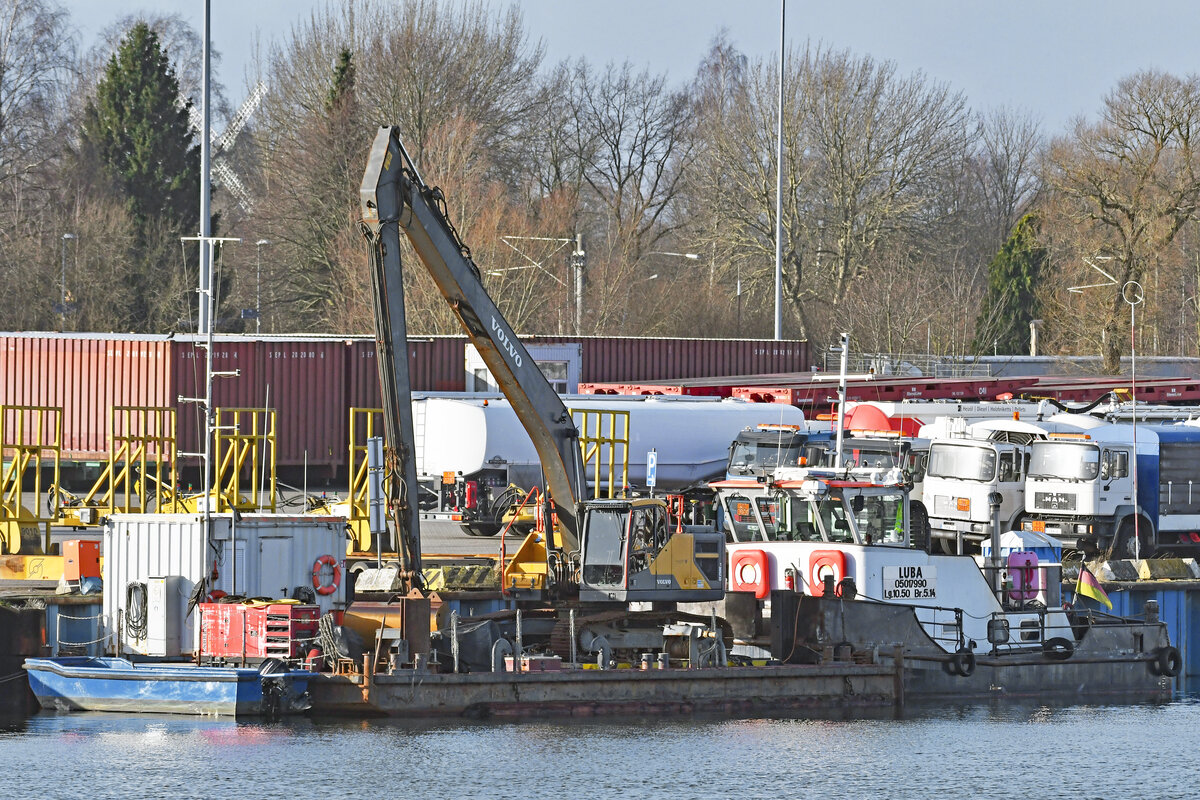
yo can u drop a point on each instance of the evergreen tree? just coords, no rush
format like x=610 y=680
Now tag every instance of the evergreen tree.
x=136 y=128
x=1011 y=301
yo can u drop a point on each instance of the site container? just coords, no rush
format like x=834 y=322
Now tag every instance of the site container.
x=259 y=555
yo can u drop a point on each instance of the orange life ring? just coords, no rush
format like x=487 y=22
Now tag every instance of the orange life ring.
x=331 y=587
x=822 y=563
x=749 y=572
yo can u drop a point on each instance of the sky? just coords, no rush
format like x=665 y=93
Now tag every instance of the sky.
x=1054 y=58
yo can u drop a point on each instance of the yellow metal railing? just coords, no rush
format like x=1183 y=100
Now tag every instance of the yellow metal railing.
x=604 y=445
x=140 y=471
x=245 y=442
x=30 y=436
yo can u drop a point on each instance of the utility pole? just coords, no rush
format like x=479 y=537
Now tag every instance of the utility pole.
x=779 y=184
x=62 y=305
x=578 y=262
x=204 y=312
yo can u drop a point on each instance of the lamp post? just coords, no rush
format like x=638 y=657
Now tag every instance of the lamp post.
x=258 y=246
x=62 y=301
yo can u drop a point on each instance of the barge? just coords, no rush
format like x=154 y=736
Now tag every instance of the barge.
x=844 y=688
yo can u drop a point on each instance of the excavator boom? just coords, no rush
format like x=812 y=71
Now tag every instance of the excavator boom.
x=394 y=196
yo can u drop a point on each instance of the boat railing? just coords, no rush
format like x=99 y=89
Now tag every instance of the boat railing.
x=89 y=647
x=1031 y=629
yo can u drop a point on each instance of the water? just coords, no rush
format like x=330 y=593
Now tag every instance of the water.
x=992 y=751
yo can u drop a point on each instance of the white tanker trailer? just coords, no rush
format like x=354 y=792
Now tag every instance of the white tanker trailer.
x=470 y=448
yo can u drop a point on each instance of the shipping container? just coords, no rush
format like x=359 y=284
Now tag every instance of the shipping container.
x=85 y=376
x=259 y=555
x=302 y=379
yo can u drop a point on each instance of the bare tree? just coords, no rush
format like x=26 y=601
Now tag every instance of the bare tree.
x=633 y=143
x=1009 y=145
x=1129 y=183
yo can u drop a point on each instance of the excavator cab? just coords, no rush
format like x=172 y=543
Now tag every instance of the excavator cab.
x=630 y=553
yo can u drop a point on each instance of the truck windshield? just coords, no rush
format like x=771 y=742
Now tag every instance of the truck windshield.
x=965 y=462
x=746 y=458
x=1070 y=461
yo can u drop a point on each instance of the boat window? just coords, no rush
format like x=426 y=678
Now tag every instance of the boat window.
x=798 y=522
x=832 y=513
x=743 y=524
x=881 y=518
x=1070 y=461
x=603 y=561
x=768 y=511
x=962 y=461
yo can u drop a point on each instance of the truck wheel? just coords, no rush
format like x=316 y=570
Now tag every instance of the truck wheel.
x=1125 y=546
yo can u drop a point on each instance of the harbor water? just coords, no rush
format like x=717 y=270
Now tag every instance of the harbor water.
x=1001 y=750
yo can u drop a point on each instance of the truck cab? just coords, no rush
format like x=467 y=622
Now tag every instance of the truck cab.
x=970 y=463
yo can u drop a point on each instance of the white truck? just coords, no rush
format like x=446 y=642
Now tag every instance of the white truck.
x=1088 y=490
x=969 y=462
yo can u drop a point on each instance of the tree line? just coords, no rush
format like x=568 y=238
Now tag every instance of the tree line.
x=910 y=219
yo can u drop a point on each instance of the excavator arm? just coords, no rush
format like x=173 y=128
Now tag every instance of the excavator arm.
x=394 y=197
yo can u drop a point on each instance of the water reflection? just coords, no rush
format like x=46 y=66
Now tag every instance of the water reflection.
x=1006 y=749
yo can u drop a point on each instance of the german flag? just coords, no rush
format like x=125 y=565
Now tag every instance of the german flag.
x=1088 y=586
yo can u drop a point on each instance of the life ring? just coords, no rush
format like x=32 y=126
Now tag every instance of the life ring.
x=749 y=572
x=1167 y=663
x=822 y=563
x=332 y=586
x=963 y=662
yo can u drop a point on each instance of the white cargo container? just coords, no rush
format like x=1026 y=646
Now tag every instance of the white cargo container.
x=257 y=555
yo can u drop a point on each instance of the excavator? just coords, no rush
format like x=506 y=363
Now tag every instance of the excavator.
x=591 y=553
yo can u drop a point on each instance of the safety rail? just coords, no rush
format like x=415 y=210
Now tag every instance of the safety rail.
x=243 y=441
x=59 y=644
x=140 y=471
x=30 y=436
x=604 y=432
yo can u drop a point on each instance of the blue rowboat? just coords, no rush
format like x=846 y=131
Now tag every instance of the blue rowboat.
x=83 y=683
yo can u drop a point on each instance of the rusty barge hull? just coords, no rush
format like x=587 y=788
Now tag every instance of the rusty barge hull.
x=823 y=689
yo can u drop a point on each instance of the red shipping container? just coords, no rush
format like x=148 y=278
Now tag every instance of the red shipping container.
x=81 y=559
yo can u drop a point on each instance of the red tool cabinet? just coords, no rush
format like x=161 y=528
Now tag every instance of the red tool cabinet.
x=257 y=631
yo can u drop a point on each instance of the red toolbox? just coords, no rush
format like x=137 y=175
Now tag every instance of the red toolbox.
x=257 y=630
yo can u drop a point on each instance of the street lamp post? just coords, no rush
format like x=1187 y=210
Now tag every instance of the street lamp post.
x=258 y=246
x=62 y=301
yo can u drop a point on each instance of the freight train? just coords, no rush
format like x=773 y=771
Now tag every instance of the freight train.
x=311 y=381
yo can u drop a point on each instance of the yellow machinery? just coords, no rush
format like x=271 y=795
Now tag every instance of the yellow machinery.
x=30 y=440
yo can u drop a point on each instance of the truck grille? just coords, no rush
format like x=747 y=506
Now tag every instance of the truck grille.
x=1054 y=501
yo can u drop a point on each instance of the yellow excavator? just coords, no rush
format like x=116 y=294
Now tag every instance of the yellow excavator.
x=610 y=551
